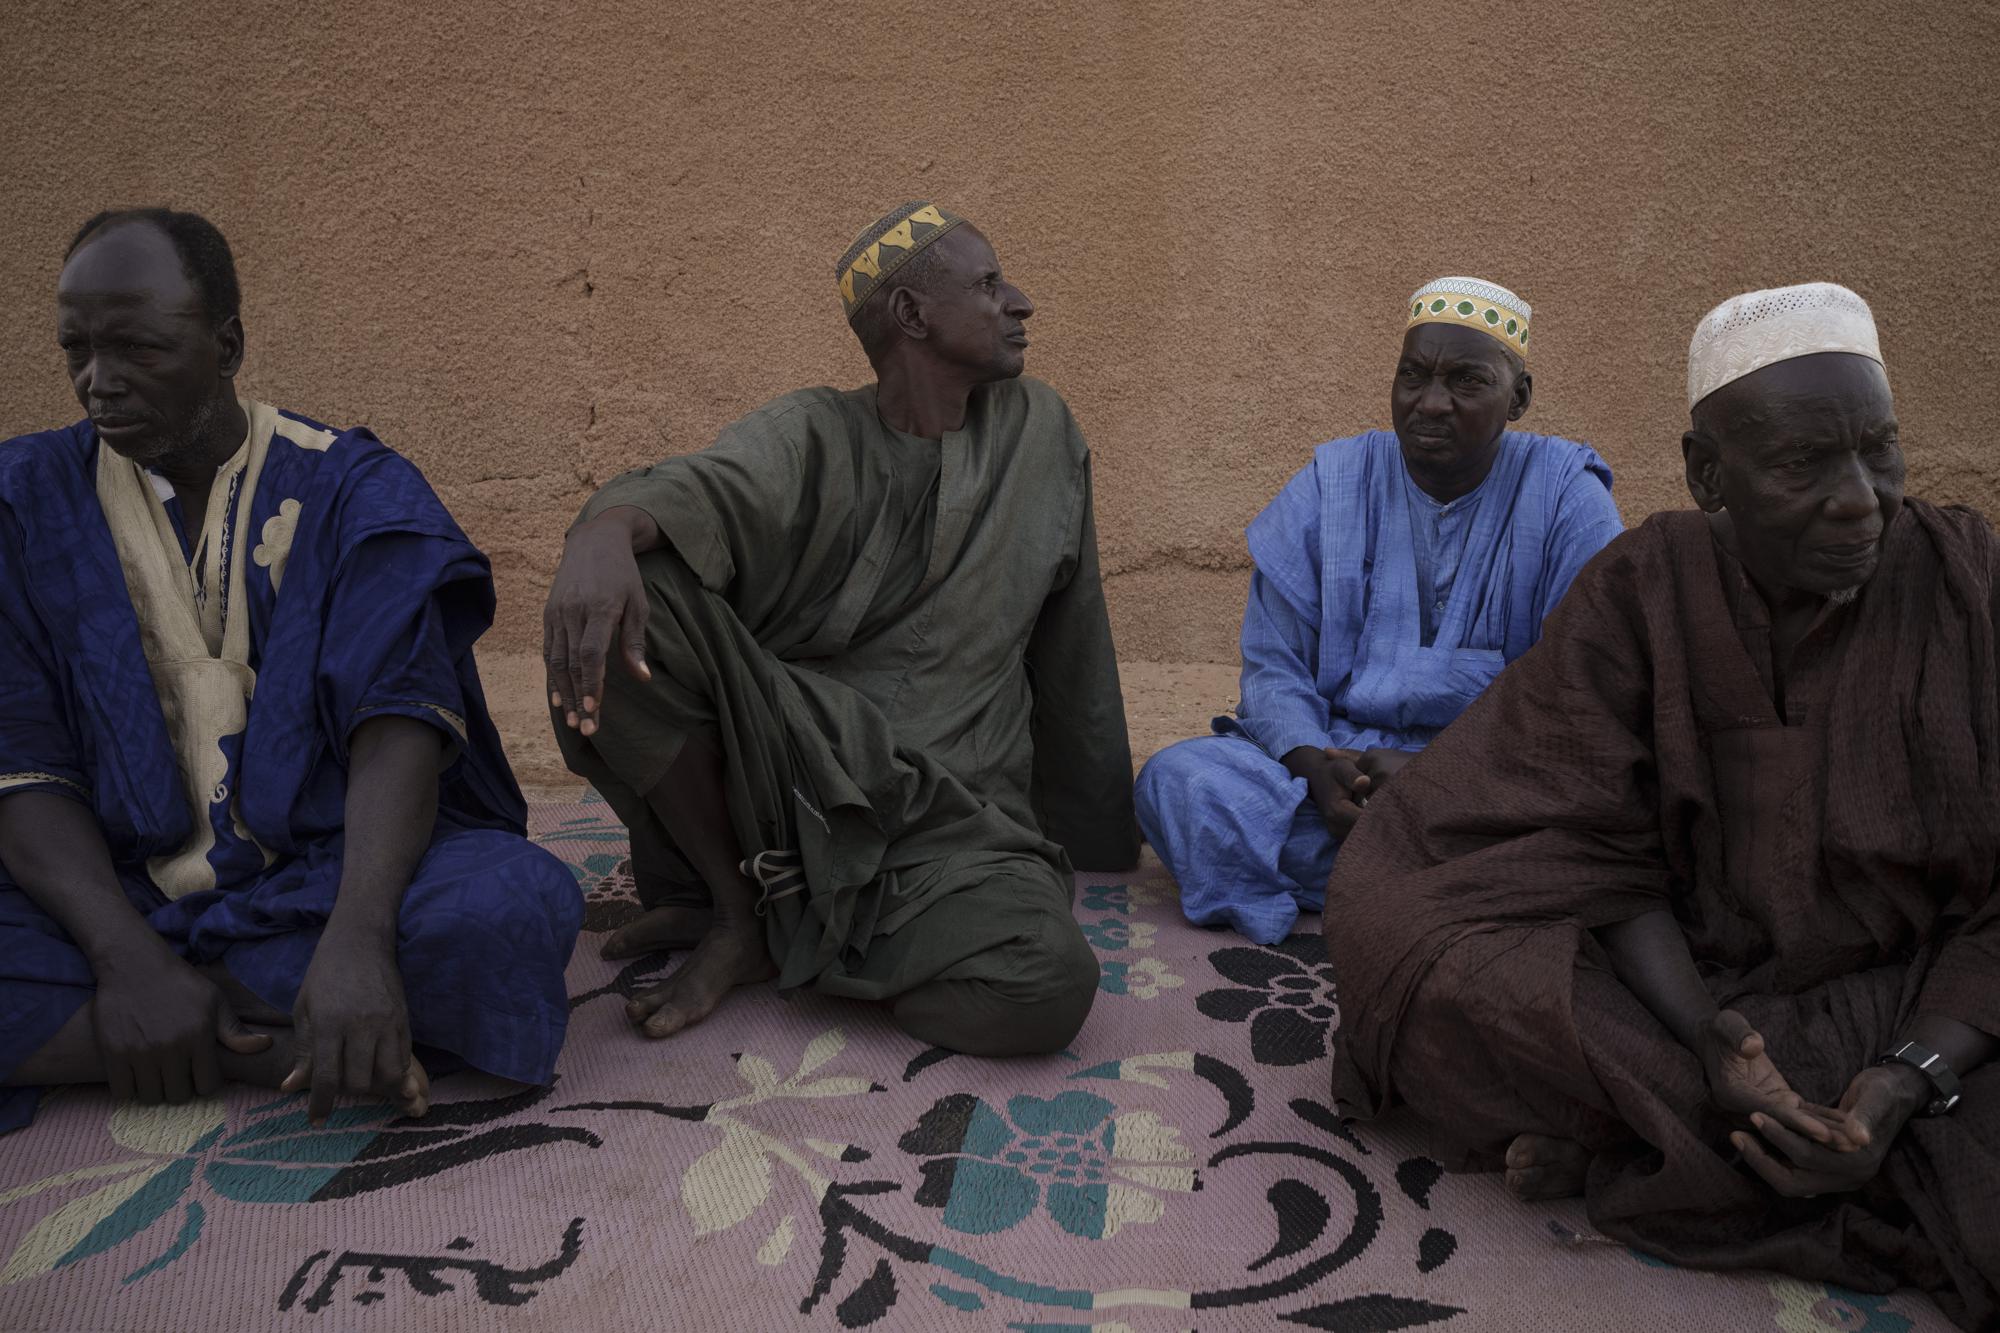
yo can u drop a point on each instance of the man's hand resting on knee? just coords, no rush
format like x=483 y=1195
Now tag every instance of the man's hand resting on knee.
x=596 y=600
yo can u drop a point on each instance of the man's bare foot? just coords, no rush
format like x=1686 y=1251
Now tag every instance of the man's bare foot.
x=1540 y=1167
x=659 y=930
x=725 y=958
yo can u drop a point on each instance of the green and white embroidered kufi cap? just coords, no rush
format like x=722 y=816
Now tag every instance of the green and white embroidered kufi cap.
x=1475 y=303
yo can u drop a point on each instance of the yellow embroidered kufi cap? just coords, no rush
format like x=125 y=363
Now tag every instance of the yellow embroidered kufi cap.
x=1485 y=306
x=886 y=247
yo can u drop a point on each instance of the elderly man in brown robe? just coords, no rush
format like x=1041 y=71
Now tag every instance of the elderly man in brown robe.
x=868 y=709
x=1694 y=910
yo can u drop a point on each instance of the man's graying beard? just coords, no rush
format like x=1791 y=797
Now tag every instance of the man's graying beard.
x=1844 y=596
x=186 y=440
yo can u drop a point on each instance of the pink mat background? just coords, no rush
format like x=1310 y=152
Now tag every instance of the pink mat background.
x=799 y=1163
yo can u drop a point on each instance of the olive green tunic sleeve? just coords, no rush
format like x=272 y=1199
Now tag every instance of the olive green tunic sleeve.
x=737 y=497
x=1083 y=758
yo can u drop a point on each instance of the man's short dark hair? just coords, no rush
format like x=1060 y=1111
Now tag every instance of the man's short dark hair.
x=204 y=254
x=875 y=322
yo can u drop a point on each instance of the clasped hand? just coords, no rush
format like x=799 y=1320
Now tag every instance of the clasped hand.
x=1340 y=782
x=1800 y=1149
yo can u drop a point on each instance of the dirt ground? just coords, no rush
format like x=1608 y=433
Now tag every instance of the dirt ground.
x=1164 y=701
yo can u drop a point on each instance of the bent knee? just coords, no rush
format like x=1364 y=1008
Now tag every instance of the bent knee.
x=1059 y=987
x=1051 y=983
x=1029 y=997
x=1175 y=772
x=497 y=888
x=1208 y=773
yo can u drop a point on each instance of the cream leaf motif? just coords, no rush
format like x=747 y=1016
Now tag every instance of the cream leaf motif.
x=779 y=1244
x=58 y=1233
x=727 y=1183
x=276 y=547
x=166 y=1130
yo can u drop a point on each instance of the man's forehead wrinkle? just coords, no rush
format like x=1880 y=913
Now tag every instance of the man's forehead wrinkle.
x=1451 y=359
x=121 y=311
x=126 y=298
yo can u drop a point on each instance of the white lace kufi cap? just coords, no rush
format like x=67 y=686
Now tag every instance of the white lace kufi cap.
x=1759 y=329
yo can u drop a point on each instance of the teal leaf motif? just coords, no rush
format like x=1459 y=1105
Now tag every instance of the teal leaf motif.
x=190 y=1232
x=323 y=1149
x=297 y=1122
x=133 y=1216
x=252 y=1182
x=956 y=1299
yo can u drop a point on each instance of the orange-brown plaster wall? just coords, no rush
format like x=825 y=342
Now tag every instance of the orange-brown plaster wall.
x=532 y=245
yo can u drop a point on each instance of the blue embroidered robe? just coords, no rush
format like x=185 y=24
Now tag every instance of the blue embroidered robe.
x=1376 y=614
x=363 y=598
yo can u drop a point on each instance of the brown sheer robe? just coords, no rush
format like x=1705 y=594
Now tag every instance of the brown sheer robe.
x=1832 y=865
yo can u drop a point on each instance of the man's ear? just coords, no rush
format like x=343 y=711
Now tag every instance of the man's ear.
x=1524 y=393
x=229 y=347
x=908 y=312
x=1703 y=457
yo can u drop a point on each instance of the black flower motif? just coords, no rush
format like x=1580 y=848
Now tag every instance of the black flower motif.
x=1284 y=991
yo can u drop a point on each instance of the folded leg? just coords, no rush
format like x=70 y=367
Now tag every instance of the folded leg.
x=486 y=929
x=889 y=841
x=1238 y=833
x=997 y=965
x=45 y=982
x=1526 y=1031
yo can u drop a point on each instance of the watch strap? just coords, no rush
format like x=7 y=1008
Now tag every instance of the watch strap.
x=1932 y=1066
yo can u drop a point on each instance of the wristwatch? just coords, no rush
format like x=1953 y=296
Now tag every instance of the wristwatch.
x=1932 y=1066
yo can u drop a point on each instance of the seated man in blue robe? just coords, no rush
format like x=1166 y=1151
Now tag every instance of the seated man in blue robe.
x=1395 y=576
x=255 y=823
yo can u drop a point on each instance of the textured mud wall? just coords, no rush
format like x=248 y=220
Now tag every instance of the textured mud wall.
x=534 y=244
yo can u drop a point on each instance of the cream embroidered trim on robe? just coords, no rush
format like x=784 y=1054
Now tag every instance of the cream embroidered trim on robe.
x=198 y=647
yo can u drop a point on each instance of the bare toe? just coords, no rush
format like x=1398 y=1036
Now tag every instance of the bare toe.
x=641 y=1006
x=414 y=1097
x=724 y=960
x=672 y=1017
x=1543 y=1167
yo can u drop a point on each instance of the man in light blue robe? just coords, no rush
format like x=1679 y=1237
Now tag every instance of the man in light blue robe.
x=255 y=822
x=1396 y=575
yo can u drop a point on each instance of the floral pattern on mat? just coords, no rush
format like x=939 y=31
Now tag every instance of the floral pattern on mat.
x=797 y=1162
x=1285 y=993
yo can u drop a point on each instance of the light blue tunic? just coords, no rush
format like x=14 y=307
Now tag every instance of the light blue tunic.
x=1376 y=614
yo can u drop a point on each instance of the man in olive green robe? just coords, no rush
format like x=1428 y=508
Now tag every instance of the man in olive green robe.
x=867 y=713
